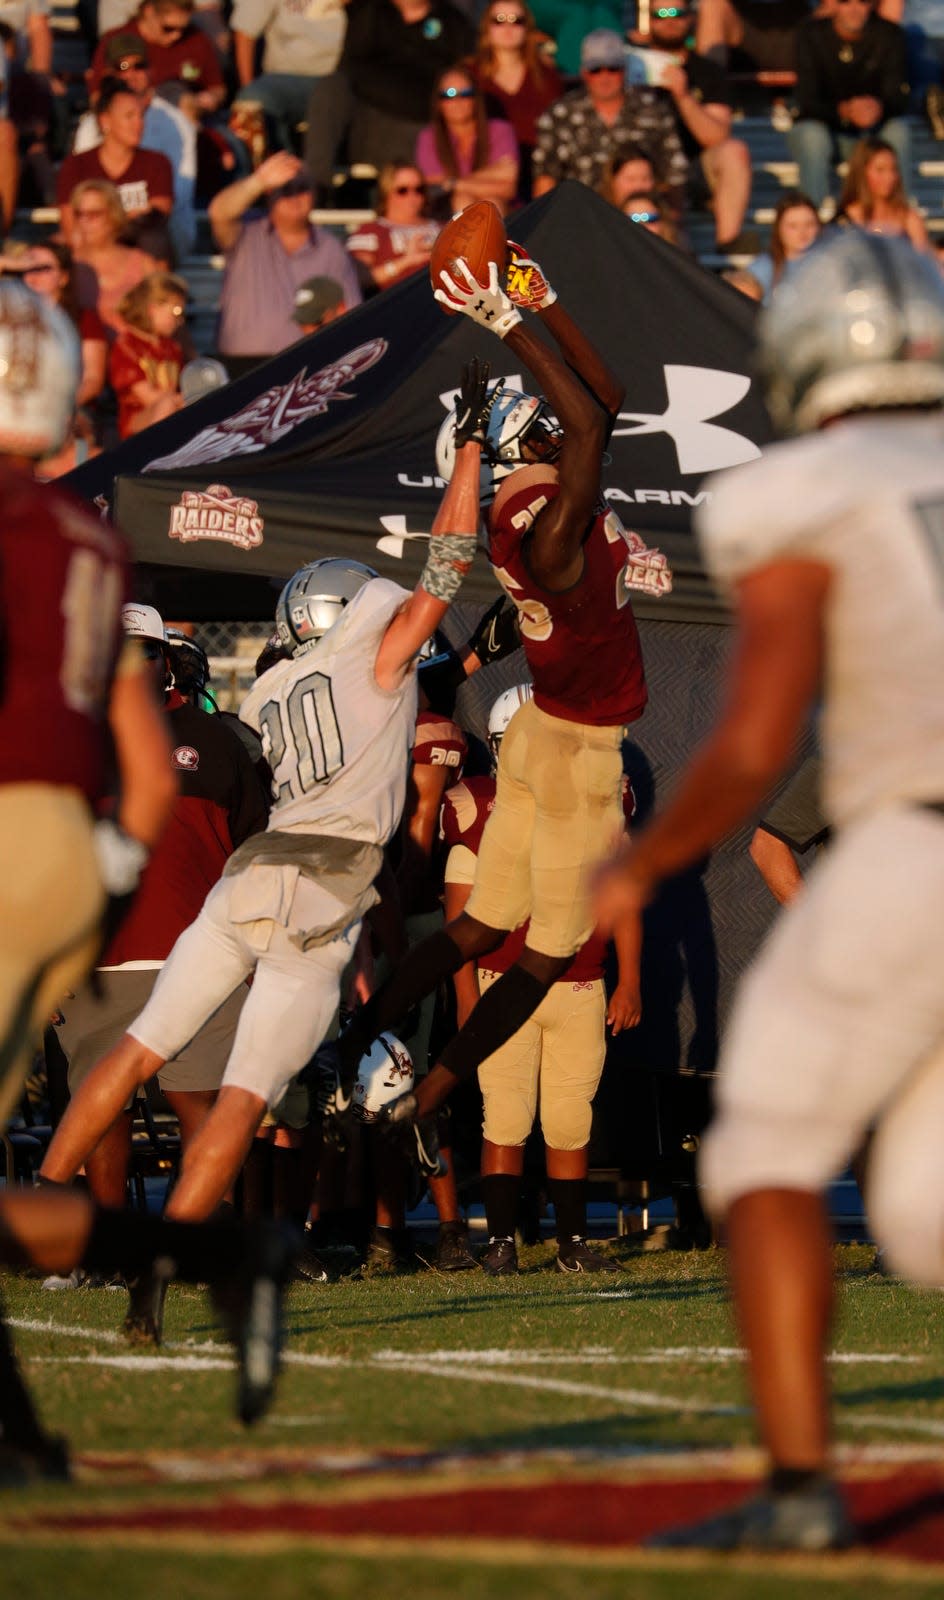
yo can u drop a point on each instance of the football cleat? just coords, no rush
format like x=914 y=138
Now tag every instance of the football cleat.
x=500 y=1258
x=813 y=1518
x=144 y=1319
x=250 y=1306
x=579 y=1256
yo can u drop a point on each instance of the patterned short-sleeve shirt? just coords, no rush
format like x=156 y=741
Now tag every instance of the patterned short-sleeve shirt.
x=574 y=142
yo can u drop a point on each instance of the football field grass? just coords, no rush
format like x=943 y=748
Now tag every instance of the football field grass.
x=419 y=1412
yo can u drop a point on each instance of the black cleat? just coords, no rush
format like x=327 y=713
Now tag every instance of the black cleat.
x=144 y=1319
x=579 y=1256
x=813 y=1519
x=250 y=1304
x=500 y=1259
x=452 y=1249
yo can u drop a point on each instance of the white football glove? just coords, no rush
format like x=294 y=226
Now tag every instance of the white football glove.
x=525 y=283
x=121 y=859
x=489 y=305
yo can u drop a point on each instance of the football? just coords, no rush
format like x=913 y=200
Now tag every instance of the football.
x=477 y=235
x=383 y=1075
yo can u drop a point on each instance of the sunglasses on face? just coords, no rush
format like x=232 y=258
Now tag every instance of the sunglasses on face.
x=593 y=72
x=669 y=13
x=151 y=650
x=30 y=272
x=457 y=94
x=172 y=30
x=89 y=213
x=644 y=216
x=410 y=188
x=135 y=65
x=510 y=17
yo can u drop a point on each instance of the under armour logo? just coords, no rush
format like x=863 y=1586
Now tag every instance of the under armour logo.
x=695 y=394
x=480 y=306
x=396 y=537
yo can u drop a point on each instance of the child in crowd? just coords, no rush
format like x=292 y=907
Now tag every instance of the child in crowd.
x=146 y=358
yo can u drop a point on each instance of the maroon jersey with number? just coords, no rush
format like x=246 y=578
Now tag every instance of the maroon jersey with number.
x=438 y=742
x=582 y=644
x=466 y=809
x=63 y=581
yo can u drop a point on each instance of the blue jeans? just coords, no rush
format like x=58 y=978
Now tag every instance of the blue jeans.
x=816 y=148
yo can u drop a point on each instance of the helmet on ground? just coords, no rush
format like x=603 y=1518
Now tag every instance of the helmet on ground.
x=314 y=599
x=383 y=1075
x=857 y=326
x=40 y=364
x=516 y=421
x=503 y=709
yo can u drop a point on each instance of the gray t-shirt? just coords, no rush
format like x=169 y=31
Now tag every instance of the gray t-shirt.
x=302 y=37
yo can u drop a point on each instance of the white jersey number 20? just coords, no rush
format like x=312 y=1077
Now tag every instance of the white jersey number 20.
x=301 y=738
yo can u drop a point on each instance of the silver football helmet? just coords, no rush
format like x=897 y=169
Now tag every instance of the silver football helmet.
x=503 y=709
x=314 y=599
x=857 y=326
x=40 y=365
x=516 y=421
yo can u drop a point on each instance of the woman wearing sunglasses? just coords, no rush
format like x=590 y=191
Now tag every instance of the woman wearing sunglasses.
x=47 y=268
x=399 y=240
x=464 y=153
x=511 y=68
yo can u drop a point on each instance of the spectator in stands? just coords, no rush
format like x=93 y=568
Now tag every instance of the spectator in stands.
x=598 y=123
x=298 y=82
x=105 y=267
x=751 y=35
x=143 y=178
x=182 y=59
x=719 y=167
x=269 y=256
x=394 y=52
x=167 y=130
x=398 y=241
x=318 y=301
x=628 y=174
x=511 y=68
x=852 y=79
x=146 y=358
x=28 y=20
x=796 y=226
x=48 y=269
x=873 y=195
x=569 y=21
x=464 y=154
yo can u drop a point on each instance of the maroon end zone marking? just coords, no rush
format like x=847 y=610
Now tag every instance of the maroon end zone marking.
x=901 y=1515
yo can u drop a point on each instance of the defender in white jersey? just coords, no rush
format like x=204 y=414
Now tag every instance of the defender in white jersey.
x=833 y=550
x=336 y=721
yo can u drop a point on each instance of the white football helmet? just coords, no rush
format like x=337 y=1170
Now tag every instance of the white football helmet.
x=516 y=420
x=858 y=325
x=503 y=709
x=314 y=599
x=383 y=1075
x=40 y=365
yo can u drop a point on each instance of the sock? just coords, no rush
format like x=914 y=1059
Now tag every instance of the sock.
x=20 y=1425
x=201 y=1252
x=500 y=1192
x=418 y=974
x=790 y=1480
x=568 y=1196
x=502 y=1010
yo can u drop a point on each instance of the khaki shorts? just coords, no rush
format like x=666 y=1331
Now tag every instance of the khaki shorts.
x=51 y=903
x=558 y=810
x=555 y=1060
x=97 y=1017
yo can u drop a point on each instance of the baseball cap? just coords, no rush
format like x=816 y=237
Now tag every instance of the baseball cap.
x=602 y=48
x=314 y=297
x=124 y=47
x=142 y=622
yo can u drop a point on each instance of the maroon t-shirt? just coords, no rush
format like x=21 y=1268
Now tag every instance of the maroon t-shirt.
x=191 y=59
x=532 y=99
x=63 y=581
x=149 y=176
x=582 y=644
x=135 y=358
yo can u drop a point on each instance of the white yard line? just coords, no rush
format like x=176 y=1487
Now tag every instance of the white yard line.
x=630 y=1398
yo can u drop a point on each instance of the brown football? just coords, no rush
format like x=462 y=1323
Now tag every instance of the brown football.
x=477 y=235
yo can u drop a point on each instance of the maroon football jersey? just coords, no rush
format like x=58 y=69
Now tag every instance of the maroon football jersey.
x=466 y=809
x=63 y=581
x=582 y=645
x=438 y=742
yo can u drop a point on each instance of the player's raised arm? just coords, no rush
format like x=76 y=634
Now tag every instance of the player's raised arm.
x=452 y=541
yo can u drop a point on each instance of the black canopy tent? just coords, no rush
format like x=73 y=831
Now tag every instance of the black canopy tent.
x=329 y=448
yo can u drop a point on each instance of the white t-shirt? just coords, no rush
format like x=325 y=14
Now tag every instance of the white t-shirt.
x=338 y=745
x=866 y=498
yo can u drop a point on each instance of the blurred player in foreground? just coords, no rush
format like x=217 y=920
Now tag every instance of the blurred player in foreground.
x=66 y=684
x=833 y=549
x=569 y=566
x=336 y=720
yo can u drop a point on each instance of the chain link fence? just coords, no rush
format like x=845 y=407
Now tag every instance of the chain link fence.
x=232 y=648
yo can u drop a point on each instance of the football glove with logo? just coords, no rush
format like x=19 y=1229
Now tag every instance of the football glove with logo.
x=497 y=634
x=474 y=403
x=420 y=1137
x=525 y=283
x=486 y=304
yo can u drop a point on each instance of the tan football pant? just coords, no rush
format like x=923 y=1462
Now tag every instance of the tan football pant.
x=558 y=810
x=52 y=900
x=555 y=1061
